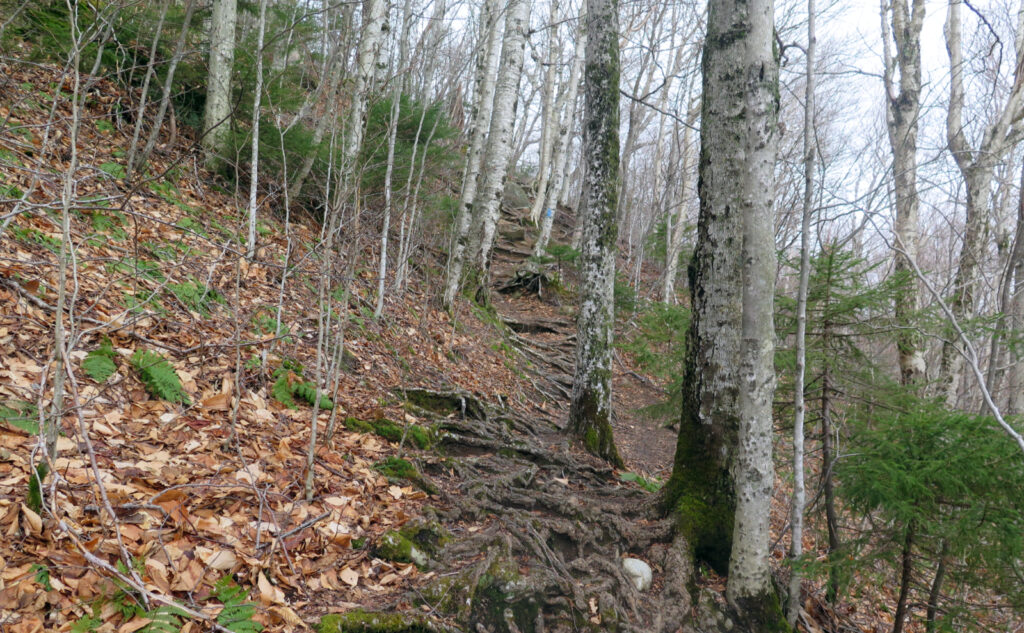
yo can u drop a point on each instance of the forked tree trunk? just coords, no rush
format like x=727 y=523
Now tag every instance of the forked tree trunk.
x=590 y=412
x=722 y=479
x=976 y=168
x=218 y=88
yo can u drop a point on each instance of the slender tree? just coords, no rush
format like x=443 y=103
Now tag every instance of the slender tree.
x=590 y=412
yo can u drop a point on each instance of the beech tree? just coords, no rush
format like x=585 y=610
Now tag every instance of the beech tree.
x=721 y=483
x=590 y=411
x=218 y=90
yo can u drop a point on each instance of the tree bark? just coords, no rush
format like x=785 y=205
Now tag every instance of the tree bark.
x=906 y=572
x=487 y=74
x=255 y=160
x=799 y=494
x=218 y=91
x=487 y=204
x=976 y=168
x=549 y=117
x=901 y=115
x=721 y=483
x=567 y=107
x=590 y=413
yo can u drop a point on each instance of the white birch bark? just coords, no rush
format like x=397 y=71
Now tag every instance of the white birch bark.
x=902 y=109
x=549 y=117
x=590 y=411
x=976 y=167
x=560 y=154
x=218 y=90
x=487 y=72
x=799 y=410
x=255 y=160
x=487 y=204
x=369 y=47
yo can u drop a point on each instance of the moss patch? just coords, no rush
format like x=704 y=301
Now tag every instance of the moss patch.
x=419 y=436
x=396 y=547
x=359 y=621
x=396 y=468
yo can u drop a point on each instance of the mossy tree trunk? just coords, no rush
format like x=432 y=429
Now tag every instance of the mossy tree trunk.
x=590 y=411
x=722 y=479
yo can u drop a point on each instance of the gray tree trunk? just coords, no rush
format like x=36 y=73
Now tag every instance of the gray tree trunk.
x=590 y=412
x=218 y=89
x=567 y=107
x=721 y=484
x=487 y=73
x=976 y=168
x=799 y=409
x=498 y=151
x=901 y=116
x=549 y=117
x=254 y=174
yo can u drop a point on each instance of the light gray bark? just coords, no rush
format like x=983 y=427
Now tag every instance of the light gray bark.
x=567 y=117
x=255 y=160
x=549 y=117
x=487 y=59
x=976 y=168
x=799 y=493
x=902 y=109
x=675 y=243
x=218 y=88
x=590 y=411
x=498 y=151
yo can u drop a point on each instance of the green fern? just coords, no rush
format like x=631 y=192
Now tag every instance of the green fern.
x=99 y=363
x=196 y=296
x=285 y=390
x=23 y=415
x=237 y=614
x=159 y=377
x=87 y=624
x=165 y=619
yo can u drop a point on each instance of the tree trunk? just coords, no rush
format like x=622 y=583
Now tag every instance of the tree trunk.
x=799 y=494
x=675 y=243
x=590 y=413
x=487 y=74
x=549 y=118
x=567 y=107
x=976 y=168
x=935 y=594
x=1015 y=309
x=902 y=111
x=218 y=88
x=487 y=204
x=254 y=174
x=906 y=572
x=721 y=482
x=828 y=462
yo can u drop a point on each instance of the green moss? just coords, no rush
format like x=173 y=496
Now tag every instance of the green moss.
x=420 y=437
x=396 y=468
x=359 y=621
x=357 y=425
x=428 y=536
x=762 y=613
x=396 y=547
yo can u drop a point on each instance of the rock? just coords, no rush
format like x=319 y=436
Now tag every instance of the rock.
x=396 y=547
x=639 y=572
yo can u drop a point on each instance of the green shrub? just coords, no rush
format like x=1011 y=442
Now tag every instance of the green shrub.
x=195 y=296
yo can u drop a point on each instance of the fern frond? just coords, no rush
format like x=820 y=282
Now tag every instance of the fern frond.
x=165 y=619
x=99 y=363
x=159 y=377
x=237 y=614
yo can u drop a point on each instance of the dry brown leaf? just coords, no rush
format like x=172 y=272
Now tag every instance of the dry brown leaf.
x=349 y=576
x=32 y=520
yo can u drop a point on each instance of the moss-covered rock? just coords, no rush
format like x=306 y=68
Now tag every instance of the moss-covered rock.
x=429 y=536
x=446 y=403
x=359 y=621
x=396 y=547
x=420 y=437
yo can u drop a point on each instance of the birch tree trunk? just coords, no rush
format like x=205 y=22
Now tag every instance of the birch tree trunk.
x=590 y=412
x=902 y=109
x=254 y=175
x=1014 y=307
x=217 y=110
x=799 y=494
x=487 y=204
x=721 y=484
x=549 y=118
x=482 y=109
x=369 y=47
x=567 y=108
x=976 y=168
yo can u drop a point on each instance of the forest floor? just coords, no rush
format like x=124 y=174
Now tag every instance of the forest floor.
x=447 y=494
